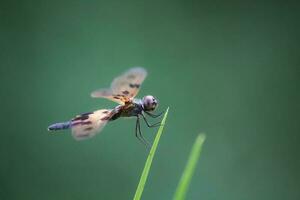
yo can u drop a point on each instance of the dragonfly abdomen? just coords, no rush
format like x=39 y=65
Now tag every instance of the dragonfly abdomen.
x=60 y=126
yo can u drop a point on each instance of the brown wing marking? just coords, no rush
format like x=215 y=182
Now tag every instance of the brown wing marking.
x=124 y=87
x=129 y=83
x=89 y=124
x=107 y=93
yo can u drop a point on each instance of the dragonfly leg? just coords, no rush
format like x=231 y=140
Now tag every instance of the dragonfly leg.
x=153 y=115
x=138 y=133
x=150 y=125
x=137 y=124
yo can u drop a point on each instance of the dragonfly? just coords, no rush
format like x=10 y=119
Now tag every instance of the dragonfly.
x=123 y=91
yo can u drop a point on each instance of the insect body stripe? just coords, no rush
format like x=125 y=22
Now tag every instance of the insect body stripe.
x=59 y=126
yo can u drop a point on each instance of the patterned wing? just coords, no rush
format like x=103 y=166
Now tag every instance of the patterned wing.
x=89 y=124
x=108 y=94
x=124 y=87
x=129 y=83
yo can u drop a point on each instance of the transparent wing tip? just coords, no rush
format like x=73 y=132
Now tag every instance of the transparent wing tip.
x=138 y=70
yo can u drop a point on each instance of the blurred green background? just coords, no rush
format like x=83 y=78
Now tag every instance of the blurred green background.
x=227 y=68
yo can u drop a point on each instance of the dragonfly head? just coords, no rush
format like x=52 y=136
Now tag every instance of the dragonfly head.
x=149 y=103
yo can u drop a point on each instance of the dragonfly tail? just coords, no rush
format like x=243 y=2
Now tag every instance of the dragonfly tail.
x=59 y=126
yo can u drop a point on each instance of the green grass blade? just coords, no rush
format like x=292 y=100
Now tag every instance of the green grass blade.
x=189 y=169
x=148 y=163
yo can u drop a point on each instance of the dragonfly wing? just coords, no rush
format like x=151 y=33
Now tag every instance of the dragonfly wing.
x=88 y=125
x=124 y=87
x=128 y=84
x=108 y=94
